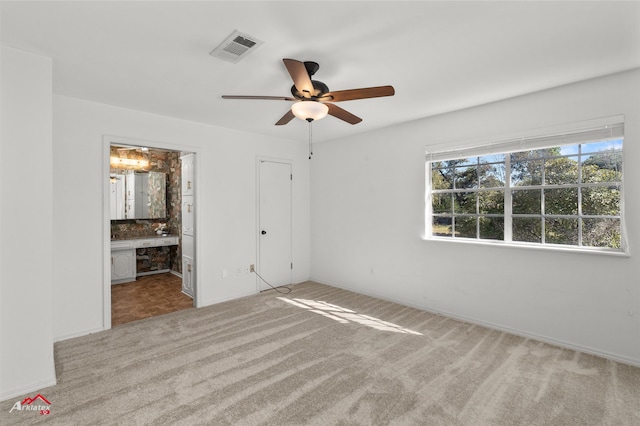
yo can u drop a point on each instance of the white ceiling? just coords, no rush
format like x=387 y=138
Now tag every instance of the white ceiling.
x=439 y=56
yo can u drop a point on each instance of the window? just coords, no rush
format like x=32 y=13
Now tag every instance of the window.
x=560 y=190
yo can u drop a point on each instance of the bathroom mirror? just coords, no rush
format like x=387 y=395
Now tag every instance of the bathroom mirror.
x=138 y=195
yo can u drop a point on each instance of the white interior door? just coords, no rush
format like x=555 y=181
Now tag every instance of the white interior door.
x=274 y=224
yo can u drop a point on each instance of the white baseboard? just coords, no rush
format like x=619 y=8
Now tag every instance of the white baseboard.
x=159 y=271
x=122 y=281
x=585 y=349
x=76 y=334
x=226 y=299
x=27 y=389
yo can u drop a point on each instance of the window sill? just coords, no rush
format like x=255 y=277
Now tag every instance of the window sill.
x=547 y=247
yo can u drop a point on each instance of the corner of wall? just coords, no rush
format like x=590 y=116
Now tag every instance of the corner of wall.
x=26 y=292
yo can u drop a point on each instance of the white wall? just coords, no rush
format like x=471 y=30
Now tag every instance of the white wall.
x=367 y=223
x=26 y=217
x=226 y=204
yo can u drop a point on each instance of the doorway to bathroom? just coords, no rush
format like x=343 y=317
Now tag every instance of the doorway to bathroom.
x=150 y=230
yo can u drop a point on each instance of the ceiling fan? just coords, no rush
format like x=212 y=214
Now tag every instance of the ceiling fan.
x=313 y=100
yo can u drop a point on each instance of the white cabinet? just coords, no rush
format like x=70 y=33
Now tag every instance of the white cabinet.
x=123 y=256
x=123 y=266
x=130 y=195
x=188 y=225
x=188 y=275
x=188 y=246
x=188 y=265
x=188 y=215
x=117 y=205
x=188 y=209
x=129 y=208
x=187 y=173
x=123 y=262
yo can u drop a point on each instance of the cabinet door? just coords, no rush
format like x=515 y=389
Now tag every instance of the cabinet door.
x=130 y=196
x=188 y=276
x=123 y=266
x=187 y=174
x=188 y=246
x=188 y=212
x=130 y=186
x=117 y=205
x=129 y=208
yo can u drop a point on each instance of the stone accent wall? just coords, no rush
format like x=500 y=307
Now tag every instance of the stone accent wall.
x=151 y=259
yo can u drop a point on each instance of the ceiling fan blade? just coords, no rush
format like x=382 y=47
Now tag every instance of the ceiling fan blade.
x=342 y=114
x=266 y=98
x=364 y=93
x=300 y=76
x=286 y=118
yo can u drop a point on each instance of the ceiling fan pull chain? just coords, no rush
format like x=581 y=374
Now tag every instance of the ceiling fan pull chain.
x=310 y=136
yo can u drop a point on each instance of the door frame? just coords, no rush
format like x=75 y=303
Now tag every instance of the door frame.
x=259 y=160
x=107 y=141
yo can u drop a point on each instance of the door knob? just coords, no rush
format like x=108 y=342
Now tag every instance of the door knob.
x=263 y=232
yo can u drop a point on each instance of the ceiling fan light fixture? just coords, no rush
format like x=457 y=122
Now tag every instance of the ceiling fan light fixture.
x=309 y=110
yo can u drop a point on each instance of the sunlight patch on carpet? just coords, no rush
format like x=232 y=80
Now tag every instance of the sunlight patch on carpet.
x=345 y=316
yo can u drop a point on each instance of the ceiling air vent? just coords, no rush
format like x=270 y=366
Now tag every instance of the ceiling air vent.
x=235 y=47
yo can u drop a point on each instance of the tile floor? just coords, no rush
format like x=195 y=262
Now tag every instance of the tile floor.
x=148 y=296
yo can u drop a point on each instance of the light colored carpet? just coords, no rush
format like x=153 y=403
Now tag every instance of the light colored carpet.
x=263 y=360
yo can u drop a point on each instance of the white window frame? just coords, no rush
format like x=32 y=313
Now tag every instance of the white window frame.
x=572 y=134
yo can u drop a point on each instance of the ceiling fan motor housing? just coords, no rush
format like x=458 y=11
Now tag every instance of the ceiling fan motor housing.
x=319 y=87
x=312 y=67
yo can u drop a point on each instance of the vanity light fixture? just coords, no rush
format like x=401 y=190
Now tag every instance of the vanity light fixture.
x=115 y=161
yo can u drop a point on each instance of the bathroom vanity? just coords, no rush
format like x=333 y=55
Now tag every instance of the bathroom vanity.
x=123 y=256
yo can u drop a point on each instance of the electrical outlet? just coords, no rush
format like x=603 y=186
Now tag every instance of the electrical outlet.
x=252 y=268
